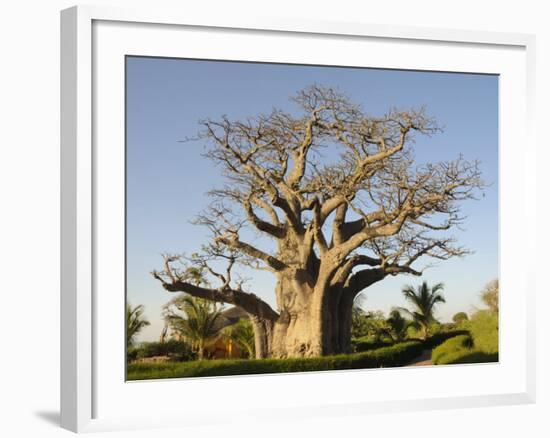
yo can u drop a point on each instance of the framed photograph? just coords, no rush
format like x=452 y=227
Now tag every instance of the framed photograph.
x=299 y=218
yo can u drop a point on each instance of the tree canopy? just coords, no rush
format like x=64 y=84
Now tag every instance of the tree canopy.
x=339 y=193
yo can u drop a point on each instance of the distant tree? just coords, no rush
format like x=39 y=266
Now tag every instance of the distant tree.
x=134 y=322
x=195 y=320
x=424 y=300
x=397 y=326
x=484 y=329
x=373 y=325
x=489 y=295
x=359 y=323
x=460 y=317
x=163 y=334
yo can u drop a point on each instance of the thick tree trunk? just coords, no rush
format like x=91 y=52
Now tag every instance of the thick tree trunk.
x=200 y=352
x=333 y=320
x=297 y=335
x=318 y=328
x=263 y=335
x=314 y=317
x=299 y=331
x=302 y=328
x=345 y=307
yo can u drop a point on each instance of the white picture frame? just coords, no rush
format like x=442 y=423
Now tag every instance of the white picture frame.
x=91 y=37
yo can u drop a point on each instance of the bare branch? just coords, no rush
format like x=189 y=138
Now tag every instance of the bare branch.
x=176 y=280
x=233 y=242
x=274 y=230
x=387 y=212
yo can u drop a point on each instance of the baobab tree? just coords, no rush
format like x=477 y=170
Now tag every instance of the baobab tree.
x=339 y=195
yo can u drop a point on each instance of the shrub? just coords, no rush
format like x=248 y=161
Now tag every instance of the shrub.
x=367 y=343
x=370 y=324
x=393 y=356
x=479 y=347
x=439 y=338
x=178 y=350
x=415 y=330
x=469 y=356
x=398 y=326
x=484 y=329
x=460 y=317
x=131 y=354
x=451 y=347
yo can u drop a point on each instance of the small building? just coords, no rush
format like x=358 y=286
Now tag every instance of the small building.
x=225 y=348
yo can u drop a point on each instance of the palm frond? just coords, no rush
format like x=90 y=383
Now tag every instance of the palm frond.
x=423 y=300
x=134 y=322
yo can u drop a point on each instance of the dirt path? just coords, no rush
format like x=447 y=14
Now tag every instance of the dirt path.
x=424 y=359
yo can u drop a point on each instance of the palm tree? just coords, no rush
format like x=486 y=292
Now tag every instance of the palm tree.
x=195 y=320
x=242 y=333
x=134 y=322
x=397 y=326
x=423 y=299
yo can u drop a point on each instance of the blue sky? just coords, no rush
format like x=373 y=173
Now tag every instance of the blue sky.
x=167 y=180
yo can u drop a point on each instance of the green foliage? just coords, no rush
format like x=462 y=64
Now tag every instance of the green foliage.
x=242 y=333
x=460 y=317
x=134 y=322
x=196 y=275
x=470 y=356
x=194 y=319
x=379 y=331
x=367 y=343
x=449 y=349
x=489 y=295
x=393 y=356
x=423 y=300
x=484 y=329
x=438 y=338
x=417 y=331
x=359 y=322
x=131 y=354
x=479 y=347
x=177 y=350
x=371 y=326
x=398 y=326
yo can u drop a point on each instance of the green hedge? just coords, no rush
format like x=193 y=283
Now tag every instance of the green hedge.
x=441 y=337
x=461 y=350
x=484 y=329
x=366 y=344
x=449 y=349
x=173 y=348
x=469 y=356
x=480 y=347
x=393 y=356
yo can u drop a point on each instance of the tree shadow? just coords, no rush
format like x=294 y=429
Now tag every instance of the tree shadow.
x=51 y=417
